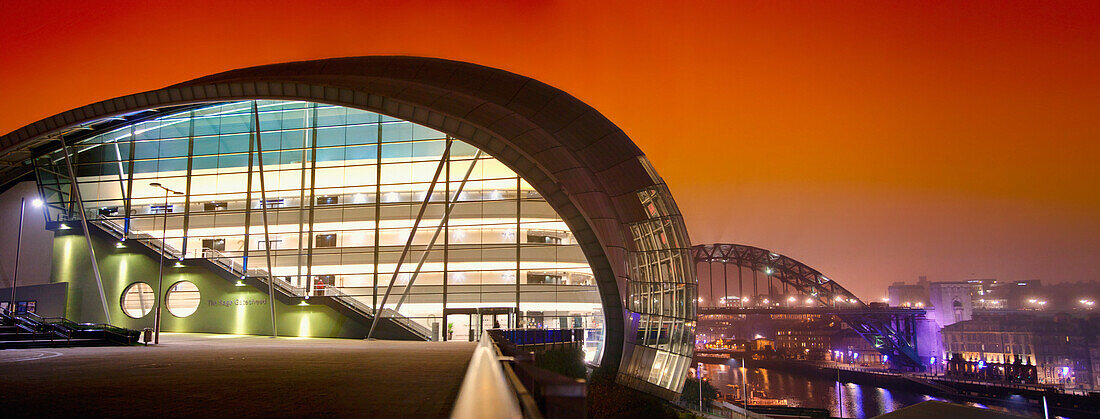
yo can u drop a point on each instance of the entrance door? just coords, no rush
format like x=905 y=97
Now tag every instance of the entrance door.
x=459 y=327
x=467 y=324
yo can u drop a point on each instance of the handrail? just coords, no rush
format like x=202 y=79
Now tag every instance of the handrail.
x=237 y=269
x=64 y=328
x=485 y=390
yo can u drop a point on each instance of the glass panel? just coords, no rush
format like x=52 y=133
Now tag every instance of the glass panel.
x=343 y=189
x=182 y=299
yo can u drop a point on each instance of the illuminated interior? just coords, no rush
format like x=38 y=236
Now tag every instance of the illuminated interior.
x=340 y=192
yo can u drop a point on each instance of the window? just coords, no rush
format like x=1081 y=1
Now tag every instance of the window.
x=108 y=211
x=544 y=237
x=273 y=203
x=182 y=299
x=160 y=209
x=544 y=278
x=213 y=244
x=137 y=300
x=215 y=206
x=262 y=244
x=328 y=200
x=325 y=240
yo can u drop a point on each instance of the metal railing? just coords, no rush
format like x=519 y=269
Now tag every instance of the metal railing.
x=158 y=245
x=486 y=391
x=555 y=395
x=542 y=336
x=62 y=328
x=356 y=304
x=238 y=270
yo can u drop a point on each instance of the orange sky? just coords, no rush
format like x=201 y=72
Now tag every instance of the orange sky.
x=875 y=141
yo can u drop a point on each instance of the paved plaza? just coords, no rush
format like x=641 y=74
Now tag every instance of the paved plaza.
x=229 y=375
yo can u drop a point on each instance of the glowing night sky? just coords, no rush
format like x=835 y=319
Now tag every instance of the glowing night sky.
x=875 y=141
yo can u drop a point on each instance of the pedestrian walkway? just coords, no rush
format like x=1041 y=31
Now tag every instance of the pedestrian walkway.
x=229 y=375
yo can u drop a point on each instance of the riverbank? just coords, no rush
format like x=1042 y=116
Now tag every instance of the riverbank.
x=1012 y=398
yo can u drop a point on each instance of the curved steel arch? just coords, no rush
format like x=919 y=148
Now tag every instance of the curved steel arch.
x=811 y=282
x=589 y=171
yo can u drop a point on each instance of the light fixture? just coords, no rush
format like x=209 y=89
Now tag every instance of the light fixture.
x=239 y=283
x=303 y=303
x=36 y=202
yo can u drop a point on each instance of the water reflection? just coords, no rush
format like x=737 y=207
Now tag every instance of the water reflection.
x=857 y=401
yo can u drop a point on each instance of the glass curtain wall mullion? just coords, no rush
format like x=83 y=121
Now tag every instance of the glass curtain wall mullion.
x=187 y=186
x=412 y=236
x=446 y=244
x=248 y=206
x=299 y=280
x=121 y=171
x=127 y=204
x=377 y=211
x=487 y=259
x=519 y=245
x=263 y=209
x=427 y=249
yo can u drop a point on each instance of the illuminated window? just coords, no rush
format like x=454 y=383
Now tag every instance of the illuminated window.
x=182 y=299
x=214 y=244
x=325 y=240
x=137 y=300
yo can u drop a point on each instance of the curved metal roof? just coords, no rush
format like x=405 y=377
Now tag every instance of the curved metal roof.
x=585 y=166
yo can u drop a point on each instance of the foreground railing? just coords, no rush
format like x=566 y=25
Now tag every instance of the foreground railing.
x=555 y=395
x=486 y=390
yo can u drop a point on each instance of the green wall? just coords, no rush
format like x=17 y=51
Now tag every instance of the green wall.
x=222 y=309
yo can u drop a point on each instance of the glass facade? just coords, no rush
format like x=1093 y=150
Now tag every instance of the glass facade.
x=345 y=203
x=662 y=297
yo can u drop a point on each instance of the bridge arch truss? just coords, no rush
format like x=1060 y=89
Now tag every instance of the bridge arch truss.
x=879 y=330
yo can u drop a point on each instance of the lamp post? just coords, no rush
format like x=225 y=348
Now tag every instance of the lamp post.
x=160 y=261
x=699 y=378
x=18 y=244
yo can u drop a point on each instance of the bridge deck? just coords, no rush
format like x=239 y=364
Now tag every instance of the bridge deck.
x=813 y=310
x=224 y=375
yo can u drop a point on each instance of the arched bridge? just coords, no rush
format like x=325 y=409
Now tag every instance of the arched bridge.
x=818 y=290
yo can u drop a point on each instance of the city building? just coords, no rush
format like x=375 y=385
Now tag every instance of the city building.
x=990 y=294
x=388 y=197
x=1059 y=346
x=900 y=294
x=807 y=340
x=950 y=302
x=847 y=346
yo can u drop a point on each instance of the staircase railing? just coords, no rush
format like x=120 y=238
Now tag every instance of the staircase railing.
x=355 y=303
x=112 y=227
x=66 y=329
x=237 y=269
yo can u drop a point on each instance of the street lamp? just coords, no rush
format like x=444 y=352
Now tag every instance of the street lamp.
x=18 y=243
x=160 y=261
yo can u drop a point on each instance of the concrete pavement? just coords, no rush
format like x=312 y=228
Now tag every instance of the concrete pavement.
x=229 y=375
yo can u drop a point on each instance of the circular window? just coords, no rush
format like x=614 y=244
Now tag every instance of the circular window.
x=182 y=299
x=138 y=300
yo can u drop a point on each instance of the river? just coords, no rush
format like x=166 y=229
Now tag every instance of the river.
x=857 y=401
